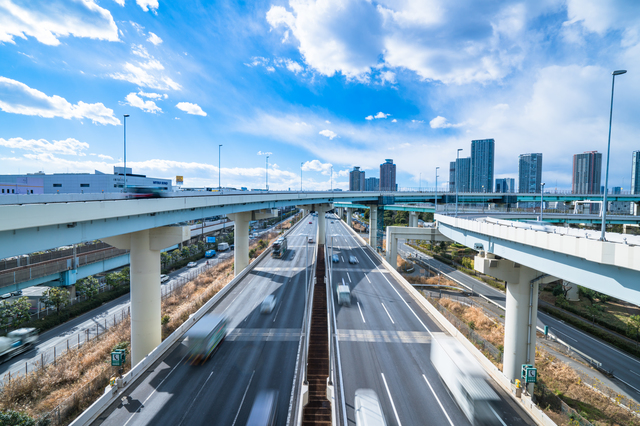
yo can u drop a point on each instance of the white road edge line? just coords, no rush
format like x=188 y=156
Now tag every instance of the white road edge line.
x=497 y=416
x=349 y=276
x=558 y=331
x=243 y=397
x=391 y=399
x=631 y=386
x=194 y=399
x=365 y=275
x=385 y=309
x=361 y=312
x=438 y=399
x=634 y=373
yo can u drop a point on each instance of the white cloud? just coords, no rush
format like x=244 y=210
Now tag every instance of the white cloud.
x=264 y=153
x=394 y=121
x=381 y=115
x=328 y=133
x=68 y=146
x=417 y=121
x=442 y=123
x=53 y=19
x=147 y=5
x=153 y=95
x=18 y=98
x=148 y=72
x=369 y=117
x=147 y=106
x=120 y=2
x=154 y=39
x=105 y=157
x=139 y=28
x=327 y=121
x=189 y=108
x=317 y=166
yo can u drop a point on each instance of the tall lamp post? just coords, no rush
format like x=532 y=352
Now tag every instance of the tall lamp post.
x=435 y=198
x=331 y=178
x=219 y=186
x=541 y=200
x=125 y=152
x=606 y=176
x=457 y=181
x=266 y=169
x=301 y=164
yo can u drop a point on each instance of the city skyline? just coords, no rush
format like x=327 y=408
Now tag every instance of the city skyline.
x=259 y=78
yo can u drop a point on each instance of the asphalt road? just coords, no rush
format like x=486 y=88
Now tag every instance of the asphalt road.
x=258 y=354
x=625 y=367
x=384 y=344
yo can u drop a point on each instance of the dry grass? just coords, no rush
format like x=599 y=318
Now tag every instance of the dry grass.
x=483 y=325
x=429 y=280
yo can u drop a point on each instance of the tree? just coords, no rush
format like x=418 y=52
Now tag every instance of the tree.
x=634 y=326
x=165 y=257
x=6 y=314
x=184 y=253
x=88 y=287
x=56 y=297
x=21 y=311
x=15 y=418
x=594 y=312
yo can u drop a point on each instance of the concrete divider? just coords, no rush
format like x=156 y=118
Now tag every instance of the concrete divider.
x=524 y=402
x=113 y=394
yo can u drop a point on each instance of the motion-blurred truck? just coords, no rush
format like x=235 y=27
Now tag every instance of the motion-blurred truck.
x=17 y=342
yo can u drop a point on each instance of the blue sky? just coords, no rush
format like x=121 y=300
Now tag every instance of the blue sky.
x=325 y=83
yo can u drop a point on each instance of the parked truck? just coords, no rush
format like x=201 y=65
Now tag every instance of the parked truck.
x=465 y=378
x=17 y=342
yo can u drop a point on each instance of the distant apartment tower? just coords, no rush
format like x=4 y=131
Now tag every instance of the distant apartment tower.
x=506 y=185
x=635 y=172
x=356 y=180
x=587 y=168
x=530 y=173
x=482 y=165
x=388 y=176
x=372 y=184
x=452 y=176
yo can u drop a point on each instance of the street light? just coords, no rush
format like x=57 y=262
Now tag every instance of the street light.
x=331 y=179
x=266 y=168
x=606 y=176
x=457 y=181
x=435 y=210
x=541 y=200
x=301 y=164
x=219 y=186
x=125 y=152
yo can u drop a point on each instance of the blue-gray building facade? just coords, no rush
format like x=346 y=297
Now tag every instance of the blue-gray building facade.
x=388 y=176
x=530 y=173
x=506 y=185
x=482 y=165
x=372 y=184
x=635 y=172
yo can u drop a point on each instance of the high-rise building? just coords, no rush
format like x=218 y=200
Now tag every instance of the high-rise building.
x=530 y=173
x=388 y=176
x=356 y=179
x=506 y=185
x=452 y=176
x=635 y=172
x=482 y=165
x=587 y=168
x=461 y=170
x=372 y=184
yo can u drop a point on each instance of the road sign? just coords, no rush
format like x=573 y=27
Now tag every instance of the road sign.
x=529 y=373
x=211 y=239
x=118 y=358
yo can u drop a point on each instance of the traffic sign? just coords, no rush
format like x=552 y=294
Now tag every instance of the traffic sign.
x=529 y=373
x=211 y=239
x=118 y=358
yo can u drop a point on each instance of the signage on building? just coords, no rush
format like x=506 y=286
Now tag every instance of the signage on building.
x=179 y=180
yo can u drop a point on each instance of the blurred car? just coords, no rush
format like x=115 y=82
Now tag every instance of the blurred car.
x=335 y=258
x=164 y=278
x=310 y=222
x=192 y=265
x=265 y=409
x=331 y=221
x=231 y=247
x=268 y=304
x=353 y=260
x=16 y=293
x=6 y=296
x=311 y=239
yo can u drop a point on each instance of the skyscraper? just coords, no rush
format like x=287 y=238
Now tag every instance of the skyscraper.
x=452 y=176
x=506 y=185
x=529 y=173
x=463 y=171
x=372 y=184
x=587 y=168
x=388 y=175
x=635 y=172
x=482 y=165
x=356 y=179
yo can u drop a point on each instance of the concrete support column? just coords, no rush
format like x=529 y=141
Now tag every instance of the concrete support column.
x=240 y=240
x=392 y=247
x=373 y=226
x=303 y=212
x=72 y=291
x=573 y=294
x=413 y=219
x=349 y=211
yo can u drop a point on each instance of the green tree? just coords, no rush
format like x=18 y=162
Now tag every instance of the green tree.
x=56 y=297
x=401 y=218
x=165 y=257
x=6 y=314
x=594 y=312
x=15 y=418
x=21 y=311
x=88 y=287
x=633 y=326
x=184 y=253
x=176 y=255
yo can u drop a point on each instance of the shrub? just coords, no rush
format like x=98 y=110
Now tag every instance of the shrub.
x=15 y=418
x=165 y=319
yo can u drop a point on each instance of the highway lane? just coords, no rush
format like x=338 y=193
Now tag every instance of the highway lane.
x=384 y=342
x=258 y=354
x=623 y=365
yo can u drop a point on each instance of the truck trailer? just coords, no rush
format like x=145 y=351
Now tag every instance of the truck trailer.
x=17 y=342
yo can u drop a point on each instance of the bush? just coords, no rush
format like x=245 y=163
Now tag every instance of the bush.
x=252 y=253
x=14 y=418
x=165 y=320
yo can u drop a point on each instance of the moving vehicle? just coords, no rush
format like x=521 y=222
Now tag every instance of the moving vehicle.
x=335 y=258
x=209 y=254
x=16 y=293
x=145 y=192
x=205 y=336
x=311 y=239
x=17 y=342
x=268 y=304
x=164 y=278
x=5 y=296
x=310 y=222
x=353 y=260
x=465 y=378
x=344 y=294
x=223 y=246
x=265 y=409
x=279 y=247
x=367 y=409
x=192 y=265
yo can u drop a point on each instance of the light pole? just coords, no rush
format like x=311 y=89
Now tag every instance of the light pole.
x=420 y=183
x=219 y=186
x=266 y=169
x=457 y=181
x=301 y=164
x=541 y=200
x=125 y=152
x=483 y=198
x=435 y=210
x=606 y=176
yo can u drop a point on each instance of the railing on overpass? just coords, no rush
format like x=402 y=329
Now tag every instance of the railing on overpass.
x=31 y=259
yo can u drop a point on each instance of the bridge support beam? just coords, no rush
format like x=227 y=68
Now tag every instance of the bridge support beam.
x=240 y=240
x=573 y=295
x=373 y=226
x=322 y=209
x=521 y=311
x=394 y=233
x=145 y=249
x=349 y=212
x=413 y=219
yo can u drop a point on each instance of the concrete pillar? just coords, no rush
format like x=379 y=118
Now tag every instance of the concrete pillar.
x=573 y=294
x=145 y=249
x=413 y=219
x=392 y=248
x=349 y=211
x=373 y=226
x=240 y=240
x=72 y=291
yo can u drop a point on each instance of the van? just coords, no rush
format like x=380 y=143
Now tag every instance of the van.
x=265 y=409
x=344 y=294
x=223 y=246
x=367 y=409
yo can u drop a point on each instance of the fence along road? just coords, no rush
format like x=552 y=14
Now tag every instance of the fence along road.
x=384 y=340
x=259 y=353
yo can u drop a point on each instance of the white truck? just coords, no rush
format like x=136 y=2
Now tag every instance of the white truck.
x=223 y=246
x=465 y=378
x=344 y=294
x=16 y=342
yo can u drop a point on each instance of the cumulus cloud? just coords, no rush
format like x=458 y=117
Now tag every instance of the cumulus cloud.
x=271 y=64
x=394 y=121
x=53 y=19
x=18 y=98
x=189 y=108
x=442 y=123
x=328 y=133
x=317 y=166
x=147 y=5
x=153 y=95
x=105 y=157
x=369 y=117
x=120 y=2
x=147 y=106
x=68 y=146
x=147 y=72
x=154 y=39
x=264 y=153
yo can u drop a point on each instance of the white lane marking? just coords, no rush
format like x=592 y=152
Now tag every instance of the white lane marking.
x=349 y=276
x=391 y=399
x=342 y=258
x=385 y=309
x=194 y=399
x=156 y=388
x=243 y=397
x=556 y=331
x=631 y=386
x=634 y=373
x=365 y=275
x=497 y=416
x=438 y=399
x=361 y=312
